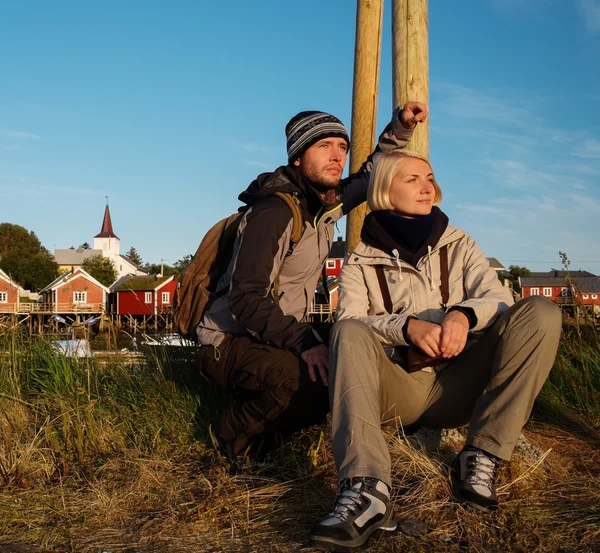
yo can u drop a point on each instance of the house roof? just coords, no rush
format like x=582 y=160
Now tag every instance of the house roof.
x=74 y=257
x=582 y=284
x=495 y=264
x=332 y=285
x=574 y=274
x=107 y=229
x=135 y=265
x=338 y=249
x=10 y=281
x=140 y=283
x=70 y=275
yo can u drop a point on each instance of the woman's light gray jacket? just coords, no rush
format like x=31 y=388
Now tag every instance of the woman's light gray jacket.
x=416 y=291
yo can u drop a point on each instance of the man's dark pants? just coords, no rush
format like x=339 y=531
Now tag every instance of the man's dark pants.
x=272 y=389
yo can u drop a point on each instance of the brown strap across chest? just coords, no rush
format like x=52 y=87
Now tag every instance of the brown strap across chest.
x=445 y=278
x=444 y=285
x=385 y=290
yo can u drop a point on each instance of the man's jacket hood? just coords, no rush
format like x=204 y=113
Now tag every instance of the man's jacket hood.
x=284 y=179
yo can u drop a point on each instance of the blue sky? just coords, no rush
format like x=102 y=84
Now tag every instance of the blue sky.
x=172 y=108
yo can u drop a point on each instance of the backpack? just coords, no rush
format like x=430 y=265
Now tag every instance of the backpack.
x=197 y=286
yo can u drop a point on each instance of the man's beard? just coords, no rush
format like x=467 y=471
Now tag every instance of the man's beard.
x=320 y=182
x=326 y=189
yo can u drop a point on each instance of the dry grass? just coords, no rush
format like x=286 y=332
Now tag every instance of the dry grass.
x=192 y=503
x=125 y=466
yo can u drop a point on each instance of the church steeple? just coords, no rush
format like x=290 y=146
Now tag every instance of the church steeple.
x=107 y=229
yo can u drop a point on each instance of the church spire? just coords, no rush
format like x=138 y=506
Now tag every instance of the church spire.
x=107 y=229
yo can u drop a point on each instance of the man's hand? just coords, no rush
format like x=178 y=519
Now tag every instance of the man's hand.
x=412 y=113
x=426 y=336
x=317 y=357
x=455 y=328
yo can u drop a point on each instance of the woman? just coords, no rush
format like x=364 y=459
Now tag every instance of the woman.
x=426 y=334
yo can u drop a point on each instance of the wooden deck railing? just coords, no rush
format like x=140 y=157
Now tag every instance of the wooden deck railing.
x=45 y=308
x=564 y=300
x=319 y=309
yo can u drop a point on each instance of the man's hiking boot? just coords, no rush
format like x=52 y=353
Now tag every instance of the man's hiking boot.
x=476 y=478
x=245 y=451
x=224 y=449
x=362 y=506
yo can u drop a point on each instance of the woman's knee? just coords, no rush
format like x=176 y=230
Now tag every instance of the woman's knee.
x=541 y=311
x=350 y=330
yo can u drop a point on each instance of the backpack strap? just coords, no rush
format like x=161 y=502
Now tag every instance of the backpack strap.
x=385 y=290
x=445 y=279
x=297 y=232
x=298 y=220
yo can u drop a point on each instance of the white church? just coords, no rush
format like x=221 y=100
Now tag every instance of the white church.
x=106 y=244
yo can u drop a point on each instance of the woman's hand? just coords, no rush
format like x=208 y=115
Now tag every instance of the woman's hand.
x=412 y=113
x=455 y=329
x=426 y=336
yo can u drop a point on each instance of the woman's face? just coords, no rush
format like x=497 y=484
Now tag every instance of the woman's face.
x=412 y=191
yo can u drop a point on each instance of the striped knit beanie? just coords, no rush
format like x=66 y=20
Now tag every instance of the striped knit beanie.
x=308 y=127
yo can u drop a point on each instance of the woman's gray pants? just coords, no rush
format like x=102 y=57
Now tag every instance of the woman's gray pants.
x=491 y=386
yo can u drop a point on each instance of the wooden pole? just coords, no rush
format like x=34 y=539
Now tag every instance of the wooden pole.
x=367 y=54
x=411 y=61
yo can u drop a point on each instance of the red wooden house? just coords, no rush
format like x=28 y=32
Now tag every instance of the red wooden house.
x=576 y=287
x=142 y=295
x=75 y=291
x=322 y=305
x=9 y=294
x=335 y=260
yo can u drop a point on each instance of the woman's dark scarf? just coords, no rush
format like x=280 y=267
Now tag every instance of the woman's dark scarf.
x=389 y=231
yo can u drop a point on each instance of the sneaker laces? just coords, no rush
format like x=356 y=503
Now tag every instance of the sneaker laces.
x=482 y=469
x=349 y=499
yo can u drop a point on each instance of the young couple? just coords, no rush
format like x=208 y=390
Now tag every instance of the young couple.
x=425 y=332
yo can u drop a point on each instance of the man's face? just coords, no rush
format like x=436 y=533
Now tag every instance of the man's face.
x=323 y=163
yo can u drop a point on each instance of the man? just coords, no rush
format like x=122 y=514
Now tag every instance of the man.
x=275 y=363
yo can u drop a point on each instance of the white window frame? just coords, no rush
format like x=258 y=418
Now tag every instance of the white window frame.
x=3 y=297
x=594 y=296
x=148 y=297
x=534 y=291
x=547 y=292
x=79 y=296
x=331 y=264
x=165 y=297
x=564 y=292
x=585 y=296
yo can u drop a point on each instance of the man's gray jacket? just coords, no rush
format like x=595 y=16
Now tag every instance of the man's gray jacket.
x=262 y=251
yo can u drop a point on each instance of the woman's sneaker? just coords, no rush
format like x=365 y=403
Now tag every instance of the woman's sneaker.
x=476 y=478
x=362 y=506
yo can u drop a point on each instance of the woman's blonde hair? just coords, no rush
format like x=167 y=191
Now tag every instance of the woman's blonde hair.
x=378 y=193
